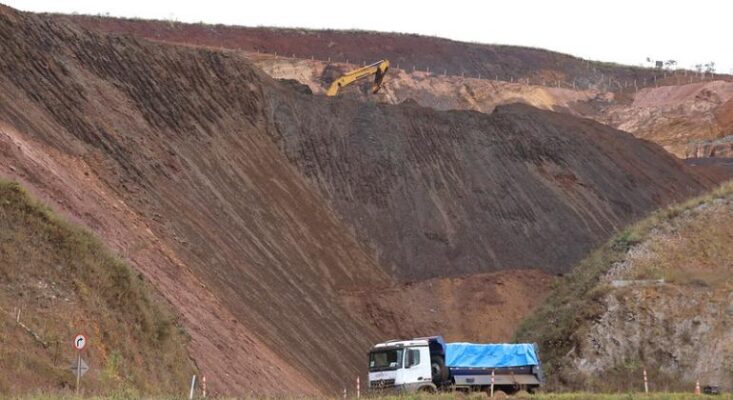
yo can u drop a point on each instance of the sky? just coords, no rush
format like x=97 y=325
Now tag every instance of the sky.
x=623 y=31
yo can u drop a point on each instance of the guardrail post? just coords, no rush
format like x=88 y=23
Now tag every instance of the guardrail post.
x=193 y=385
x=646 y=383
x=492 y=383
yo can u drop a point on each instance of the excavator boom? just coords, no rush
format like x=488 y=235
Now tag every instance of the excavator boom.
x=378 y=69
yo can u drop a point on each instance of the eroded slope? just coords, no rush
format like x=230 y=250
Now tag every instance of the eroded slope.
x=57 y=280
x=459 y=192
x=163 y=152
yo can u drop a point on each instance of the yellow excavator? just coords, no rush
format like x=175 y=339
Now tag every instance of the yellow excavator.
x=378 y=69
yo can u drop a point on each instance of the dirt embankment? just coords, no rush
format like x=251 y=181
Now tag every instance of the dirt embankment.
x=519 y=74
x=720 y=146
x=686 y=119
x=679 y=118
x=673 y=124
x=481 y=308
x=56 y=281
x=255 y=209
x=407 y=50
x=163 y=152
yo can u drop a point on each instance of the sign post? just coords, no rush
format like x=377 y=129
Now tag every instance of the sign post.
x=80 y=341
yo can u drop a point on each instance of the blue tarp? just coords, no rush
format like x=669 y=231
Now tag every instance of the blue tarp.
x=469 y=355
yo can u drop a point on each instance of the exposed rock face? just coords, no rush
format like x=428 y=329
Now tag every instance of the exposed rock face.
x=675 y=116
x=678 y=332
x=659 y=297
x=711 y=148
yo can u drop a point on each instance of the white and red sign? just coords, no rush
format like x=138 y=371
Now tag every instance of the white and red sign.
x=79 y=342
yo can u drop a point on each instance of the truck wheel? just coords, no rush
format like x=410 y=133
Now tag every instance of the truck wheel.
x=440 y=372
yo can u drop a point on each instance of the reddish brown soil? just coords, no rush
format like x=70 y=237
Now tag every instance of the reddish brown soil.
x=480 y=308
x=164 y=154
x=403 y=50
x=724 y=115
x=254 y=209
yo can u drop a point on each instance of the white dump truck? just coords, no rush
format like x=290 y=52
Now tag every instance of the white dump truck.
x=429 y=364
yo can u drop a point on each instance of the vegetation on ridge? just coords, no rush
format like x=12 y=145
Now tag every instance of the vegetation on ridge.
x=64 y=281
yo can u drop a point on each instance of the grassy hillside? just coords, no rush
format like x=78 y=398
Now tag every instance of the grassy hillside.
x=657 y=296
x=65 y=282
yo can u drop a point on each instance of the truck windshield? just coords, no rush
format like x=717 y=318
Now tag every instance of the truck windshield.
x=381 y=360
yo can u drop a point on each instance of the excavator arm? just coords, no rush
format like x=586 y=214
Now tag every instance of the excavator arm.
x=378 y=69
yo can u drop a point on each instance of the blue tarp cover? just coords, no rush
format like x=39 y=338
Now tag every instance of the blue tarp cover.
x=469 y=355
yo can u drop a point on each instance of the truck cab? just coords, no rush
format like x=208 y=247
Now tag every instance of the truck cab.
x=404 y=365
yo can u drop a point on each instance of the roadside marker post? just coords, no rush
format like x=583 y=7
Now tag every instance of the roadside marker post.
x=358 y=388
x=193 y=385
x=492 y=382
x=646 y=383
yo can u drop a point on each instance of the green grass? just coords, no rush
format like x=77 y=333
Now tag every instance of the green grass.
x=65 y=281
x=575 y=300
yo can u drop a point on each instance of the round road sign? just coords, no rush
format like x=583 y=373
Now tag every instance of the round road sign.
x=79 y=342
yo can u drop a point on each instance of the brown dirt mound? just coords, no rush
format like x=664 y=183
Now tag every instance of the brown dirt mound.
x=481 y=308
x=451 y=193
